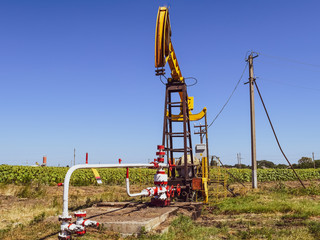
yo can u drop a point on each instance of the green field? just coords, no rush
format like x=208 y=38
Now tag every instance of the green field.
x=84 y=177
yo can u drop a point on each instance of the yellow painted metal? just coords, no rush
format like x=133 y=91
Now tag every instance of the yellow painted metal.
x=205 y=175
x=192 y=117
x=174 y=66
x=96 y=175
x=164 y=51
x=190 y=103
x=162 y=37
x=219 y=180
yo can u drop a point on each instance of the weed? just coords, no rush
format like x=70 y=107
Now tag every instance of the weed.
x=314 y=229
x=55 y=202
x=73 y=198
x=32 y=190
x=143 y=231
x=299 y=216
x=38 y=218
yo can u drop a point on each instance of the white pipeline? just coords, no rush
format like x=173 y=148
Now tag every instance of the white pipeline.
x=81 y=166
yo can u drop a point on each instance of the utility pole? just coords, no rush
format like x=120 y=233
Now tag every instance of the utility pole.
x=314 y=164
x=253 y=125
x=201 y=132
x=74 y=156
x=239 y=159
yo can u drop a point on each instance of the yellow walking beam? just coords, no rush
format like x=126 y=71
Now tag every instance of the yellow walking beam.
x=164 y=53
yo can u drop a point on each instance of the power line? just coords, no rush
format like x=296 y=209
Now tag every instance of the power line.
x=290 y=60
x=237 y=179
x=275 y=135
x=289 y=84
x=229 y=96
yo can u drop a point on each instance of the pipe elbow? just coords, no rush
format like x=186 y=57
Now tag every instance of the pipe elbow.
x=142 y=193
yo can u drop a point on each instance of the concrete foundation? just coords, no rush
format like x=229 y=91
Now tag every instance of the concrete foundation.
x=132 y=218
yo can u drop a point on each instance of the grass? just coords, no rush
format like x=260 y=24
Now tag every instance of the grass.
x=275 y=211
x=276 y=200
x=32 y=190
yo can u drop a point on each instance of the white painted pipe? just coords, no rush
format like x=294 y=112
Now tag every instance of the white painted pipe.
x=81 y=166
x=143 y=193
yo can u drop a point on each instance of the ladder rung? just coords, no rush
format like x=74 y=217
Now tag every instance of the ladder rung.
x=179 y=149
x=177 y=120
x=178 y=134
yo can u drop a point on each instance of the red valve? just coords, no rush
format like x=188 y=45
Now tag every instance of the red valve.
x=156 y=165
x=170 y=192
x=60 y=184
x=178 y=189
x=171 y=165
x=160 y=147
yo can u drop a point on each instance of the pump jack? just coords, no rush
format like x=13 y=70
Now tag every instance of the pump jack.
x=164 y=53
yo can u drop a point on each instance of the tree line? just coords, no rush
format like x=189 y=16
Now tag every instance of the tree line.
x=303 y=162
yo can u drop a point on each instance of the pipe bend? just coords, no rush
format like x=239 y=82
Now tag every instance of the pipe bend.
x=143 y=193
x=82 y=166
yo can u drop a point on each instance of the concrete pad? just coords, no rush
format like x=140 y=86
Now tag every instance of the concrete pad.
x=129 y=218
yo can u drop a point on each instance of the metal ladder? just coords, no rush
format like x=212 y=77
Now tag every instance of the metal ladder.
x=170 y=137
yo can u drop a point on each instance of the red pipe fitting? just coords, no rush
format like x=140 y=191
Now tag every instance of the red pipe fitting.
x=80 y=214
x=81 y=233
x=160 y=147
x=65 y=219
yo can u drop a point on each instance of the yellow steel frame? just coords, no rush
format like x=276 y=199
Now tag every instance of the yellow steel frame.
x=192 y=117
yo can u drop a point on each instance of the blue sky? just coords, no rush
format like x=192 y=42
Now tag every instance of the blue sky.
x=80 y=74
